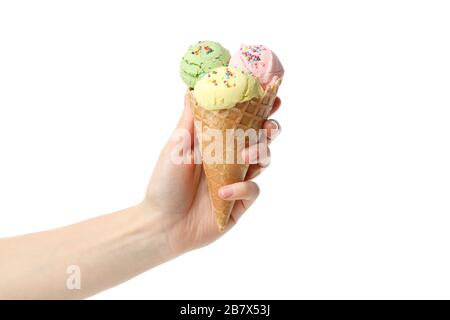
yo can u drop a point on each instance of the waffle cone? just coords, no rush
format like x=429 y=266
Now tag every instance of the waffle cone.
x=245 y=115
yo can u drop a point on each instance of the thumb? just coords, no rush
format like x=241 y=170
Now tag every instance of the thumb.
x=184 y=131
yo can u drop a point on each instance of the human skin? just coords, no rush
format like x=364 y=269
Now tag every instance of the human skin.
x=174 y=217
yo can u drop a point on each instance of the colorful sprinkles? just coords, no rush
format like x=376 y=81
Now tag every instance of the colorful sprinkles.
x=227 y=78
x=252 y=55
x=207 y=50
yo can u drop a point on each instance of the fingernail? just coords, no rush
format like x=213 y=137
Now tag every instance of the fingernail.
x=225 y=192
x=274 y=132
x=276 y=124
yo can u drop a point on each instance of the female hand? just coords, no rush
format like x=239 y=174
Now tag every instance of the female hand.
x=179 y=191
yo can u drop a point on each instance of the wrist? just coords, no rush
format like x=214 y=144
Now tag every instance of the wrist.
x=159 y=227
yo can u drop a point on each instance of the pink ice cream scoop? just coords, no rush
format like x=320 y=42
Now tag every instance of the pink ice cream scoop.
x=260 y=61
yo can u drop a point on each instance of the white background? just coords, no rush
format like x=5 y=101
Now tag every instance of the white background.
x=356 y=203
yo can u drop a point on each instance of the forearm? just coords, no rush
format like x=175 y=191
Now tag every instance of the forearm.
x=107 y=250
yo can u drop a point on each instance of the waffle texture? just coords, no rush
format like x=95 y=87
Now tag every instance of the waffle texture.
x=246 y=115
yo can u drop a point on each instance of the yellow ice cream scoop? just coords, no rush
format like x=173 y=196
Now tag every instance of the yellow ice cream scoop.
x=224 y=87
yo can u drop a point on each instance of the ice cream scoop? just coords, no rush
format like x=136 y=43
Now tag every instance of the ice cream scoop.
x=224 y=87
x=260 y=61
x=201 y=58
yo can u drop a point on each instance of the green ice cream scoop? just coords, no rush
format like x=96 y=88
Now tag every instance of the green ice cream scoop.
x=201 y=58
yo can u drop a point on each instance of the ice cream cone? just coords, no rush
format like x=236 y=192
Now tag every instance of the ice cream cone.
x=244 y=115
